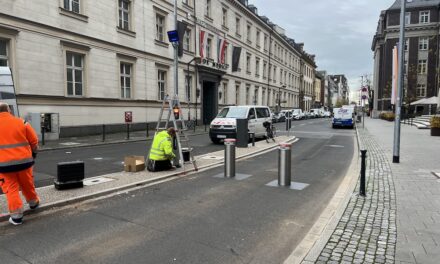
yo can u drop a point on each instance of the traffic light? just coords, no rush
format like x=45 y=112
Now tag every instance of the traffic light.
x=176 y=112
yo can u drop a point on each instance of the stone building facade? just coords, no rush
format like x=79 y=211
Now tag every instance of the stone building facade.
x=422 y=29
x=91 y=61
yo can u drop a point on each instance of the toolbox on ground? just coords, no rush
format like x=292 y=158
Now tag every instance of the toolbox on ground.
x=69 y=175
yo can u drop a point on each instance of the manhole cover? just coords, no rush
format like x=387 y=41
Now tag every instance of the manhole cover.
x=97 y=180
x=212 y=158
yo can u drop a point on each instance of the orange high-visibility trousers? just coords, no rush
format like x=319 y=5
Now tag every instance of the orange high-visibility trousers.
x=11 y=184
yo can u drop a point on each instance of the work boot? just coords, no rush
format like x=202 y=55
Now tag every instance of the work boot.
x=34 y=205
x=16 y=221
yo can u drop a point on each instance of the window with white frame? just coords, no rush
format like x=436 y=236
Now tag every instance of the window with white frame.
x=257 y=66
x=264 y=69
x=160 y=27
x=248 y=63
x=224 y=17
x=72 y=5
x=274 y=74
x=126 y=70
x=208 y=8
x=423 y=43
x=281 y=76
x=256 y=91
x=406 y=44
x=422 y=67
x=248 y=32
x=407 y=18
x=237 y=94
x=237 y=26
x=209 y=48
x=188 y=87
x=161 y=84
x=270 y=72
x=257 y=38
x=265 y=42
x=124 y=14
x=424 y=17
x=187 y=2
x=4 y=60
x=225 y=93
x=248 y=88
x=75 y=73
x=421 y=90
x=187 y=40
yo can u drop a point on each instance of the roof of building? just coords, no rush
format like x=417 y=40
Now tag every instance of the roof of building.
x=415 y=4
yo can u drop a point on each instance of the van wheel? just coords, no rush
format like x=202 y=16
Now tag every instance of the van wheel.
x=333 y=126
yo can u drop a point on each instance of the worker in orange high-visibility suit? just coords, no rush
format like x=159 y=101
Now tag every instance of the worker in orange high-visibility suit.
x=18 y=146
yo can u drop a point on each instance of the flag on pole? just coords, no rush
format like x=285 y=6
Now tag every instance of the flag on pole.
x=221 y=49
x=203 y=42
x=395 y=74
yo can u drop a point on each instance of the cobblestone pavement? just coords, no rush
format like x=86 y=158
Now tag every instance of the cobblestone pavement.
x=366 y=233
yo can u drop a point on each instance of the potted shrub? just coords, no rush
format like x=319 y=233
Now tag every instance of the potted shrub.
x=435 y=125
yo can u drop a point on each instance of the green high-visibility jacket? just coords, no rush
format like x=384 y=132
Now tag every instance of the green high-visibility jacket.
x=162 y=148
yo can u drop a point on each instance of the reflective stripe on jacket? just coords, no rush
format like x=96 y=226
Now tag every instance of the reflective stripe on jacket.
x=17 y=139
x=162 y=147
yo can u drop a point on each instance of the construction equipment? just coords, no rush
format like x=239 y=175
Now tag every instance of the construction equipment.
x=171 y=112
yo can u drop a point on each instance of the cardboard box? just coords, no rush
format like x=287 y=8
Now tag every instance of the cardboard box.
x=134 y=163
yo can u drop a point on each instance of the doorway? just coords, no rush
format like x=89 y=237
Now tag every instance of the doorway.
x=210 y=101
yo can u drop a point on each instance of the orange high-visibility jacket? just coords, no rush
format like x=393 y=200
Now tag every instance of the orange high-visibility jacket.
x=17 y=140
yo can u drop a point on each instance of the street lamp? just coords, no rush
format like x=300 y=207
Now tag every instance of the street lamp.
x=396 y=148
x=197 y=59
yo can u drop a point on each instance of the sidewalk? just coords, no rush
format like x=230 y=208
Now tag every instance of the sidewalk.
x=399 y=219
x=113 y=138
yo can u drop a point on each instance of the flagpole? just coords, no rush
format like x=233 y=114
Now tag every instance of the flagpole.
x=176 y=56
x=396 y=149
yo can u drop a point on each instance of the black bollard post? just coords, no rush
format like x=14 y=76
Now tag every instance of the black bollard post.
x=253 y=139
x=42 y=136
x=148 y=130
x=363 y=168
x=103 y=133
x=128 y=131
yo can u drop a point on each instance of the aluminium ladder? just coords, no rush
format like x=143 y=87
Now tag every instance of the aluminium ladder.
x=179 y=124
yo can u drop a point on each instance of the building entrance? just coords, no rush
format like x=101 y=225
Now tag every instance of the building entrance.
x=209 y=95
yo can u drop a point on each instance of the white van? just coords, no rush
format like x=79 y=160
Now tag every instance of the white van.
x=225 y=124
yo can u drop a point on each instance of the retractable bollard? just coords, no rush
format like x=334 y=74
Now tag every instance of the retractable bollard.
x=103 y=133
x=284 y=164
x=363 y=168
x=253 y=139
x=229 y=157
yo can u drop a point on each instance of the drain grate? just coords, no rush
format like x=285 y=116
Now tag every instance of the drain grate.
x=212 y=158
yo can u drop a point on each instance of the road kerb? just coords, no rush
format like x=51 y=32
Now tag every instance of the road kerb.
x=61 y=203
x=314 y=242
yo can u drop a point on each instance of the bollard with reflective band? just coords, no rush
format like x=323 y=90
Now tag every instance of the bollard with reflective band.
x=284 y=164
x=229 y=157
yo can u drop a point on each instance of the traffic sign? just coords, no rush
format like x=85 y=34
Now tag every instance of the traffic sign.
x=128 y=116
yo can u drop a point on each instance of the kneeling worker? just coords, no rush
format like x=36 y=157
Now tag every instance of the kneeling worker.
x=161 y=152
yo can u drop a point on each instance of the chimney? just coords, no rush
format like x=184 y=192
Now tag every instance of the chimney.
x=301 y=46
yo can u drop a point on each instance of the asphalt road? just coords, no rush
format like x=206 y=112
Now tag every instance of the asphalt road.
x=198 y=218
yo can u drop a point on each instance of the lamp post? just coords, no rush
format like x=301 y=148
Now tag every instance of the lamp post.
x=197 y=60
x=396 y=148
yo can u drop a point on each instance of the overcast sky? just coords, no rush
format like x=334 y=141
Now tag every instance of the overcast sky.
x=338 y=32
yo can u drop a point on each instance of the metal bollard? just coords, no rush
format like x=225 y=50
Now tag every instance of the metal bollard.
x=148 y=130
x=284 y=164
x=103 y=133
x=230 y=158
x=253 y=139
x=43 y=130
x=363 y=168
x=128 y=131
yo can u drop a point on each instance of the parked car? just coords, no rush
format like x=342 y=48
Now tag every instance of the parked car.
x=297 y=114
x=327 y=114
x=282 y=115
x=315 y=113
x=225 y=124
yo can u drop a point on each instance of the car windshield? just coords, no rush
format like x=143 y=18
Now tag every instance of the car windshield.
x=233 y=112
x=296 y=111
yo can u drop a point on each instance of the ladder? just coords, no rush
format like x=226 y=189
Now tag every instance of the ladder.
x=166 y=117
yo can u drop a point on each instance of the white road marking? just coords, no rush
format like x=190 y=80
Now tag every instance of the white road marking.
x=98 y=158
x=335 y=146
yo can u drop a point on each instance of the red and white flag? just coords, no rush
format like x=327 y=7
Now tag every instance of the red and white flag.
x=221 y=50
x=203 y=39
